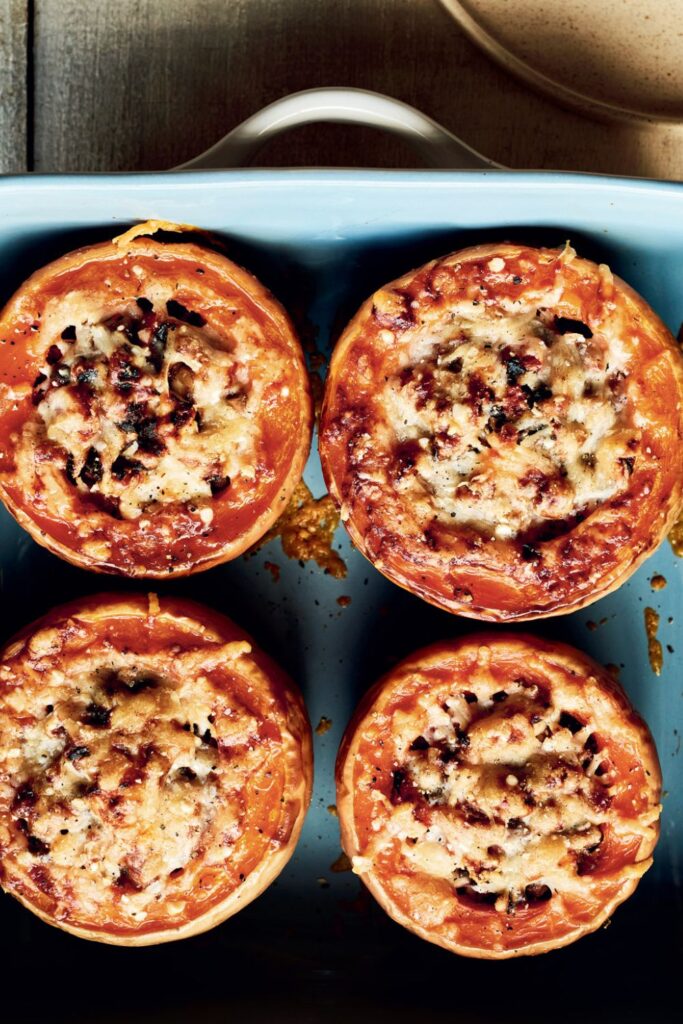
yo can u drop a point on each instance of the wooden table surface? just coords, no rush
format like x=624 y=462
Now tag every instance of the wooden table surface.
x=90 y=85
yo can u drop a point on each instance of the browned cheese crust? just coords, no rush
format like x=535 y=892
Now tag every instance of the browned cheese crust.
x=155 y=769
x=503 y=428
x=498 y=795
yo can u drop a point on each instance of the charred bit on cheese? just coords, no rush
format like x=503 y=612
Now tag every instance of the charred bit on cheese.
x=501 y=792
x=141 y=408
x=125 y=778
x=513 y=425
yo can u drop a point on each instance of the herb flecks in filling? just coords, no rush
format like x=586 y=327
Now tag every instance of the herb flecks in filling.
x=503 y=794
x=131 y=782
x=514 y=425
x=145 y=407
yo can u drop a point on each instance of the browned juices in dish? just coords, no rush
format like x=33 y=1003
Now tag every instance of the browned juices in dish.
x=155 y=768
x=499 y=795
x=502 y=430
x=155 y=413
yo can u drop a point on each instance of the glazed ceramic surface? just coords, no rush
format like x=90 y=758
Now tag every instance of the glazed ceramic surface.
x=313 y=945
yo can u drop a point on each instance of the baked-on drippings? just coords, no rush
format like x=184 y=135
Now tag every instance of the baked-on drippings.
x=306 y=529
x=654 y=647
x=323 y=726
x=145 y=408
x=139 y=787
x=497 y=794
x=341 y=864
x=508 y=423
x=676 y=537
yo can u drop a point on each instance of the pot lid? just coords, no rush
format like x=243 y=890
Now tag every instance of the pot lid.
x=618 y=58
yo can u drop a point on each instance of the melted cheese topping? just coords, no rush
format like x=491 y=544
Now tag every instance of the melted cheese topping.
x=132 y=786
x=514 y=794
x=502 y=790
x=146 y=408
x=509 y=423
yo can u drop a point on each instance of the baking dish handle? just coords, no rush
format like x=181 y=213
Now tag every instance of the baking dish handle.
x=436 y=145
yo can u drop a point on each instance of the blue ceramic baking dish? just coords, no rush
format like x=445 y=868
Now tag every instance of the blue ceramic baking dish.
x=314 y=946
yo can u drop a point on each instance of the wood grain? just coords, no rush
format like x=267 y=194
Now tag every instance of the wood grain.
x=149 y=83
x=13 y=85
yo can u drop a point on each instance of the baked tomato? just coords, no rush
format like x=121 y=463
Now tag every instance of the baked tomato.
x=498 y=795
x=155 y=769
x=155 y=413
x=503 y=431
